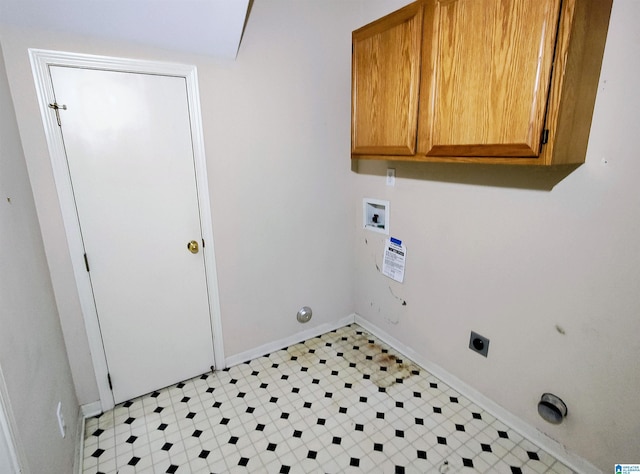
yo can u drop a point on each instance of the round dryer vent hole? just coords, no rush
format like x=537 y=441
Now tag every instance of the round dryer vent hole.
x=551 y=408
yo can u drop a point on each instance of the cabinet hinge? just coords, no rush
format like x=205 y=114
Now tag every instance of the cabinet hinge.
x=86 y=262
x=545 y=136
x=202 y=243
x=109 y=380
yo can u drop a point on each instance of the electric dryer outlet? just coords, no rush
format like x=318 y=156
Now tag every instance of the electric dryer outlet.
x=479 y=344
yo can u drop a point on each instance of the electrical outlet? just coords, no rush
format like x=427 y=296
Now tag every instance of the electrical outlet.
x=391 y=177
x=61 y=423
x=479 y=344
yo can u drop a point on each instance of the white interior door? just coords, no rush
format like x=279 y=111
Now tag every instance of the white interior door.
x=128 y=144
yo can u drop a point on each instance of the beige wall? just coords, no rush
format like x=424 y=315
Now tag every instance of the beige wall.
x=276 y=125
x=518 y=255
x=548 y=273
x=32 y=350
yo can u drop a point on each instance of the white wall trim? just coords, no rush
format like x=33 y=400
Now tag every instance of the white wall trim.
x=288 y=341
x=7 y=430
x=79 y=451
x=91 y=409
x=86 y=411
x=204 y=203
x=528 y=431
x=41 y=60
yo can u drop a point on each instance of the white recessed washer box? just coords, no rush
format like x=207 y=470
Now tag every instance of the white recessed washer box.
x=375 y=215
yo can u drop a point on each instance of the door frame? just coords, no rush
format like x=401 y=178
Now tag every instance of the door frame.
x=41 y=60
x=8 y=447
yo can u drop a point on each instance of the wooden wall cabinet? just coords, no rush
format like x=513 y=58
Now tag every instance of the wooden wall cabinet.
x=484 y=81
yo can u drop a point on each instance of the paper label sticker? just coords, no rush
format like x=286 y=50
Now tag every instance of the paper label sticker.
x=394 y=259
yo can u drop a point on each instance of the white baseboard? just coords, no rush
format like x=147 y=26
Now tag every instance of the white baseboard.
x=528 y=431
x=288 y=341
x=86 y=411
x=91 y=409
x=79 y=452
x=534 y=435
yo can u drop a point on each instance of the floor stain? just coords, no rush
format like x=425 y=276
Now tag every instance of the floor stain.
x=362 y=352
x=302 y=354
x=370 y=358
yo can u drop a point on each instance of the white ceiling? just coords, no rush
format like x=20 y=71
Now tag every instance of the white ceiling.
x=210 y=27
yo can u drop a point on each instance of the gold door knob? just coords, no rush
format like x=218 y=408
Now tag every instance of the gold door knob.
x=193 y=246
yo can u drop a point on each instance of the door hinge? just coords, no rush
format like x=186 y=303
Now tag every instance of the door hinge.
x=109 y=380
x=55 y=106
x=545 y=136
x=86 y=262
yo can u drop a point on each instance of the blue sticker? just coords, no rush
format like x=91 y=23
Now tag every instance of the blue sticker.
x=396 y=241
x=627 y=468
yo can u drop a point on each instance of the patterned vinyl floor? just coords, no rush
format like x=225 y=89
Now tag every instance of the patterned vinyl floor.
x=341 y=402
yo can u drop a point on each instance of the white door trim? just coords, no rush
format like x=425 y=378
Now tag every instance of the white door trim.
x=10 y=450
x=41 y=60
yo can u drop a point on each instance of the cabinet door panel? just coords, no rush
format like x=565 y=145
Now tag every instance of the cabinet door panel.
x=491 y=63
x=385 y=84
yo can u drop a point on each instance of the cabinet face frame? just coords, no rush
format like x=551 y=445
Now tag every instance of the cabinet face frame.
x=386 y=63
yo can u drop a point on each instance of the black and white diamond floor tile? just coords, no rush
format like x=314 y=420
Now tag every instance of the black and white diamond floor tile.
x=341 y=402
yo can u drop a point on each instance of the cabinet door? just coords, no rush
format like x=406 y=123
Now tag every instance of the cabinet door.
x=385 y=84
x=491 y=63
